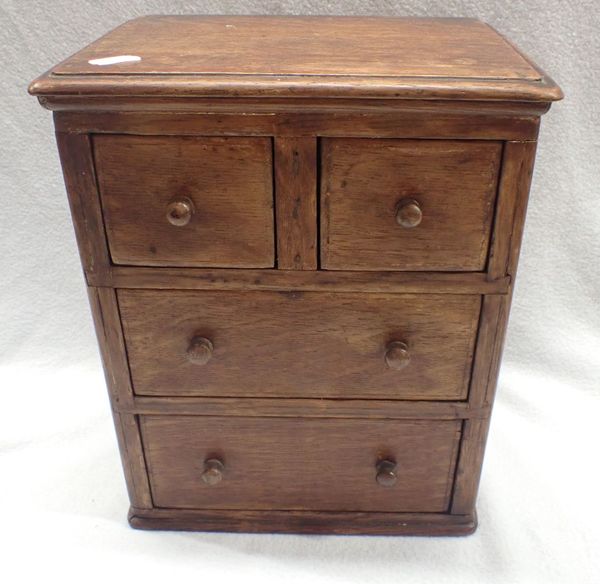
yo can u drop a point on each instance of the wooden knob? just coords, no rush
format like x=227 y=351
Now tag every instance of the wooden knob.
x=386 y=473
x=213 y=471
x=396 y=355
x=200 y=350
x=180 y=211
x=408 y=213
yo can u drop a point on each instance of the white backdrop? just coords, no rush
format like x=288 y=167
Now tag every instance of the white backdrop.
x=62 y=492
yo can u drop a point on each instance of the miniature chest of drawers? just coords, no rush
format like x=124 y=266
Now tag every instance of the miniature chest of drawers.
x=300 y=238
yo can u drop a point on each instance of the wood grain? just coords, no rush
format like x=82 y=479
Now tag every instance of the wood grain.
x=292 y=122
x=278 y=344
x=306 y=407
x=77 y=162
x=487 y=339
x=364 y=181
x=229 y=181
x=485 y=379
x=304 y=281
x=296 y=203
x=513 y=194
x=308 y=522
x=514 y=190
x=300 y=464
x=132 y=459
x=468 y=472
x=109 y=333
x=116 y=371
x=525 y=152
x=170 y=87
x=367 y=46
x=73 y=112
x=324 y=56
x=272 y=395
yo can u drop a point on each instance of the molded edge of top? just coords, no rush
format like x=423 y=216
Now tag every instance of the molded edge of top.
x=223 y=85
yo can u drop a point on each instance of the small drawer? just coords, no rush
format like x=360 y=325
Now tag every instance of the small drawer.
x=407 y=204
x=187 y=201
x=300 y=463
x=290 y=344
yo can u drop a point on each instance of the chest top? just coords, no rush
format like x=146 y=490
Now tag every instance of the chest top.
x=349 y=57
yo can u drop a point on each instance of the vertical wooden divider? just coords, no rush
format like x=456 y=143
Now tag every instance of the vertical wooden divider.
x=296 y=202
x=77 y=160
x=513 y=193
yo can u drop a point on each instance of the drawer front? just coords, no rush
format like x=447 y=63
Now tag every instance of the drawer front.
x=278 y=344
x=299 y=463
x=187 y=201
x=407 y=204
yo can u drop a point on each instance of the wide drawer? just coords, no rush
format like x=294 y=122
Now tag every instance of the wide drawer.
x=291 y=344
x=407 y=204
x=187 y=201
x=300 y=463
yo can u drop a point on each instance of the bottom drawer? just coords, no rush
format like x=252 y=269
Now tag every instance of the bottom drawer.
x=300 y=463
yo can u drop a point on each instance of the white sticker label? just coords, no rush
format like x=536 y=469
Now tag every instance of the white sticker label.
x=115 y=60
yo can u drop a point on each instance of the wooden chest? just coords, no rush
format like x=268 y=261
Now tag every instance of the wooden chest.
x=300 y=238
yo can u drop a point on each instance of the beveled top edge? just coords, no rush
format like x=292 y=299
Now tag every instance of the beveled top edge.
x=169 y=87
x=302 y=57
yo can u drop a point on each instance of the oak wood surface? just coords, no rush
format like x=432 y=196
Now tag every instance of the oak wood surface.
x=489 y=344
x=527 y=151
x=368 y=46
x=109 y=333
x=114 y=359
x=355 y=399
x=228 y=180
x=73 y=107
x=76 y=156
x=473 y=445
x=469 y=469
x=306 y=407
x=485 y=379
x=364 y=181
x=516 y=180
x=308 y=522
x=272 y=463
x=133 y=460
x=51 y=88
x=304 y=281
x=299 y=344
x=514 y=187
x=334 y=56
x=296 y=202
x=324 y=122
x=487 y=338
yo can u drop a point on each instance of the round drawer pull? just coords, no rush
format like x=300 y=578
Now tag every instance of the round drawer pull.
x=408 y=213
x=200 y=350
x=396 y=355
x=180 y=211
x=386 y=473
x=213 y=471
